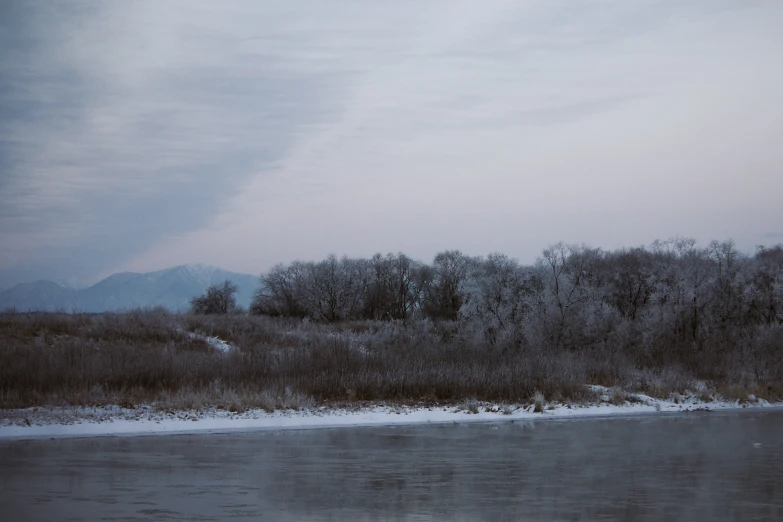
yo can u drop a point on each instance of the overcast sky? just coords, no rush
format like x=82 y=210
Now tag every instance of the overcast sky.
x=146 y=134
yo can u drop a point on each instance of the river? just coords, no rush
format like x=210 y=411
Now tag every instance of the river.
x=698 y=466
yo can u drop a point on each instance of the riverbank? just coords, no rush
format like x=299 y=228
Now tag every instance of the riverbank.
x=69 y=422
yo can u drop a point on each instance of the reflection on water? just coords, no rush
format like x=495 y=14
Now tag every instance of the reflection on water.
x=707 y=466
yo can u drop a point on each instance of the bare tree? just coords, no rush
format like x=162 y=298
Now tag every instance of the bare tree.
x=442 y=296
x=396 y=287
x=218 y=299
x=333 y=288
x=283 y=291
x=630 y=280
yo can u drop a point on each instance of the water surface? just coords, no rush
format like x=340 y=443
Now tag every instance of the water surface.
x=705 y=466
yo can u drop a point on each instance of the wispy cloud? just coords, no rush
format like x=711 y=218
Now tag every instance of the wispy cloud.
x=124 y=123
x=142 y=134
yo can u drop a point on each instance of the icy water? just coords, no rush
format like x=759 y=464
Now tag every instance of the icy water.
x=705 y=466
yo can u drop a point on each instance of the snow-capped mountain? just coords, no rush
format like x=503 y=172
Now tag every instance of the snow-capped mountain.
x=171 y=288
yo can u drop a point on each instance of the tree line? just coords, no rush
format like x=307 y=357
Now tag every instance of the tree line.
x=672 y=302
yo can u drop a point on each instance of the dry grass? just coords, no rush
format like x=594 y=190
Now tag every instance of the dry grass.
x=151 y=358
x=471 y=406
x=539 y=402
x=733 y=392
x=143 y=358
x=509 y=409
x=769 y=391
x=751 y=392
x=618 y=396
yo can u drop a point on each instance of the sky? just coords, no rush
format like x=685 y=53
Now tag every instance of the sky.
x=136 y=136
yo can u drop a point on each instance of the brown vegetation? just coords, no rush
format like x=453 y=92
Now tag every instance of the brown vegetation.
x=148 y=357
x=390 y=329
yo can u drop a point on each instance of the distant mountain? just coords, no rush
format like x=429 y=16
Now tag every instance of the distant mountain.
x=36 y=296
x=171 y=288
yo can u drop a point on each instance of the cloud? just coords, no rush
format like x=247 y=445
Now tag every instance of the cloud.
x=137 y=135
x=123 y=123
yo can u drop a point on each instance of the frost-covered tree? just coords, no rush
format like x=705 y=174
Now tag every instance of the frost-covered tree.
x=495 y=296
x=763 y=289
x=572 y=277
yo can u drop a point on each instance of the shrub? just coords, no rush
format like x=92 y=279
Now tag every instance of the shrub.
x=539 y=402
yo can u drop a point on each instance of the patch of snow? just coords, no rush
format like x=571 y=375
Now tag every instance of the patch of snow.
x=32 y=423
x=218 y=344
x=214 y=342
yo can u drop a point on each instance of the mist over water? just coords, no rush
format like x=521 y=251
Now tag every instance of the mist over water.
x=695 y=467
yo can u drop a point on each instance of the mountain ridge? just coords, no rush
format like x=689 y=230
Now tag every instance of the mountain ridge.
x=170 y=288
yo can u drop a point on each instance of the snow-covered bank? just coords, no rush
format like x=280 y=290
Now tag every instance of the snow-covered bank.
x=36 y=423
